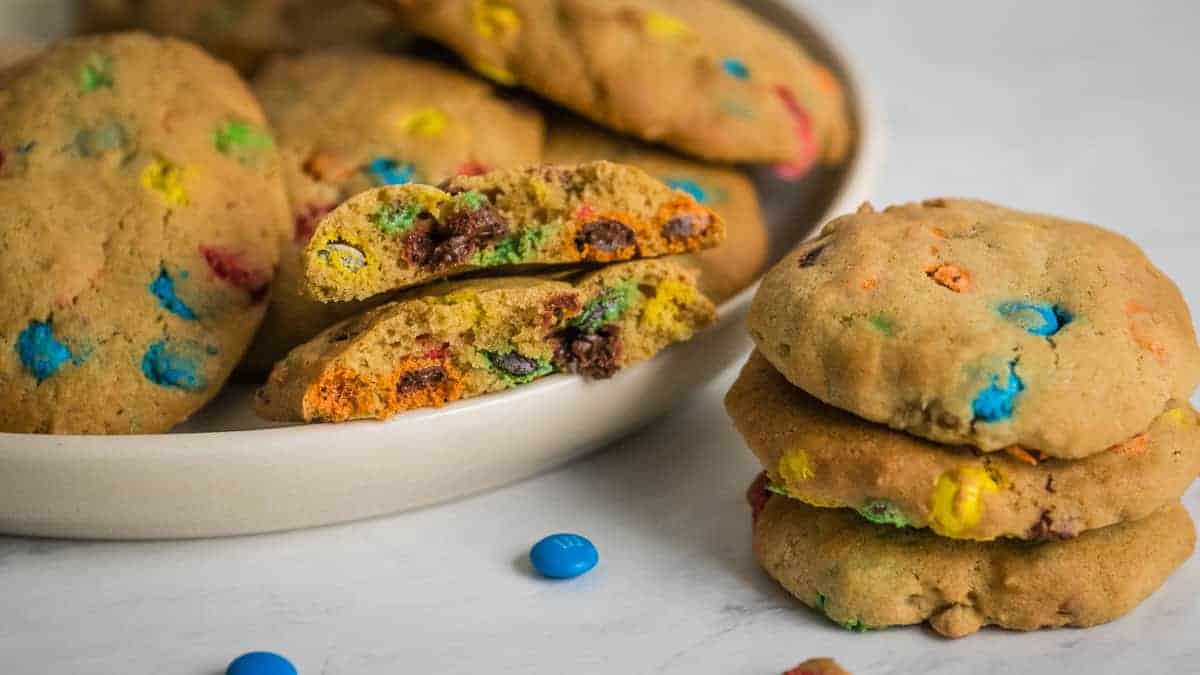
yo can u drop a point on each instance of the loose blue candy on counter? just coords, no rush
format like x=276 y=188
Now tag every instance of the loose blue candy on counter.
x=260 y=663
x=563 y=556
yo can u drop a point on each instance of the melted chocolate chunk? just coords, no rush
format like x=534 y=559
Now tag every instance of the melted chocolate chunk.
x=439 y=245
x=514 y=364
x=420 y=378
x=679 y=227
x=809 y=258
x=592 y=354
x=686 y=225
x=605 y=235
x=480 y=223
x=555 y=307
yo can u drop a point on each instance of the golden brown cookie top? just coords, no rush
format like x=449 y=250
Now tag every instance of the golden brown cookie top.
x=969 y=323
x=246 y=32
x=143 y=210
x=704 y=76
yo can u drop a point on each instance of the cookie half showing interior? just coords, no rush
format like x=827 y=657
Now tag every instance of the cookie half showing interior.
x=827 y=457
x=397 y=120
x=966 y=322
x=862 y=575
x=724 y=270
x=462 y=339
x=707 y=77
x=506 y=220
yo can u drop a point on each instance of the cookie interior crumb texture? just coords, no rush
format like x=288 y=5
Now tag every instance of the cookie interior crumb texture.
x=463 y=339
x=396 y=237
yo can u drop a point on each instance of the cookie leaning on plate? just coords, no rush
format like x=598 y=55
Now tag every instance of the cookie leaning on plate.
x=503 y=221
x=347 y=121
x=724 y=270
x=863 y=575
x=245 y=32
x=829 y=458
x=704 y=76
x=969 y=323
x=463 y=339
x=143 y=206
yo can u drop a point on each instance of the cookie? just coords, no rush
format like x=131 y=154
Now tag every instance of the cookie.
x=245 y=32
x=463 y=339
x=863 y=575
x=818 y=666
x=11 y=53
x=724 y=270
x=968 y=323
x=507 y=219
x=143 y=205
x=827 y=457
x=347 y=121
x=706 y=77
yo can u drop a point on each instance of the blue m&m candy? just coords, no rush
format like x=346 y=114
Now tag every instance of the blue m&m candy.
x=260 y=663
x=563 y=556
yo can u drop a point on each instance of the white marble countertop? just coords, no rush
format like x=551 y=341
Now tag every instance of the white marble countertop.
x=1080 y=108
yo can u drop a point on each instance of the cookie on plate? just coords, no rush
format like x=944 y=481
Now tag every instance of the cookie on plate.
x=347 y=121
x=463 y=339
x=863 y=575
x=966 y=322
x=827 y=457
x=141 y=223
x=11 y=53
x=706 y=77
x=507 y=219
x=724 y=270
x=246 y=32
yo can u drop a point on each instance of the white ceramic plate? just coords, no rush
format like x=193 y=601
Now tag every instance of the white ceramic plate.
x=225 y=472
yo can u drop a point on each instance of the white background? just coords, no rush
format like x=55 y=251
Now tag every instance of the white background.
x=1087 y=109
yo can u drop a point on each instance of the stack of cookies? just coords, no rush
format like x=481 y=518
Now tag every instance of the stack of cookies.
x=969 y=415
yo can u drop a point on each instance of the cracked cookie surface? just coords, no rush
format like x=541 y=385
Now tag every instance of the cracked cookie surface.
x=348 y=121
x=968 y=323
x=865 y=576
x=140 y=229
x=706 y=77
x=462 y=339
x=827 y=457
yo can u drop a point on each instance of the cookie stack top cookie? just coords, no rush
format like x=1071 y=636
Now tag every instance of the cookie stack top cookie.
x=968 y=323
